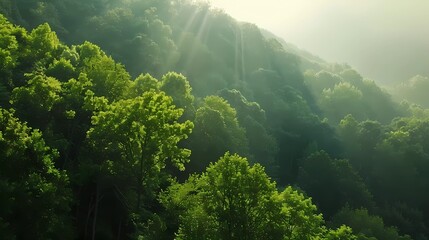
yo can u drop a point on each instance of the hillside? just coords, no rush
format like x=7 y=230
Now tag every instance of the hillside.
x=147 y=119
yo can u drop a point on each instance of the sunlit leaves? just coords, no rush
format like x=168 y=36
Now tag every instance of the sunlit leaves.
x=61 y=69
x=43 y=42
x=109 y=79
x=136 y=137
x=8 y=46
x=341 y=233
x=41 y=90
x=233 y=200
x=302 y=219
x=177 y=86
x=216 y=122
x=35 y=100
x=143 y=83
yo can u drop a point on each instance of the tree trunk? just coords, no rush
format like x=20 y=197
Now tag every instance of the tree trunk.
x=119 y=229
x=88 y=216
x=139 y=185
x=94 y=222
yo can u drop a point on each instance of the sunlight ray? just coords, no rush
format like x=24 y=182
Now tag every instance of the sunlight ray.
x=187 y=27
x=237 y=53
x=199 y=36
x=243 y=66
x=182 y=36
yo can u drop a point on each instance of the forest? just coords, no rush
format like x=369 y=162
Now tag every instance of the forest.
x=169 y=119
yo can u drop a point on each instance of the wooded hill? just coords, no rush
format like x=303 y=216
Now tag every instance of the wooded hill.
x=146 y=119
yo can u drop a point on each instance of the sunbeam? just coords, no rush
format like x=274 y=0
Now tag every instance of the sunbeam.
x=199 y=33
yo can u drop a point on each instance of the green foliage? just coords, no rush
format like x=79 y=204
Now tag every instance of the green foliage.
x=109 y=79
x=233 y=200
x=177 y=86
x=8 y=49
x=136 y=137
x=413 y=90
x=346 y=92
x=36 y=99
x=238 y=196
x=132 y=144
x=74 y=91
x=342 y=233
x=143 y=83
x=43 y=92
x=302 y=220
x=215 y=122
x=144 y=45
x=35 y=195
x=343 y=99
x=120 y=140
x=62 y=69
x=333 y=183
x=11 y=49
x=360 y=140
x=366 y=226
x=320 y=81
x=394 y=160
x=262 y=145
x=43 y=43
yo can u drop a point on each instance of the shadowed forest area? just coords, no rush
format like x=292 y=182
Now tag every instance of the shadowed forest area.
x=159 y=119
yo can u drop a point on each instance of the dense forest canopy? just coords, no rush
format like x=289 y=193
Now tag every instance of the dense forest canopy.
x=146 y=119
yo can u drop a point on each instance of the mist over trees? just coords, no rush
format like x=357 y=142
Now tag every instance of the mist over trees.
x=163 y=119
x=414 y=91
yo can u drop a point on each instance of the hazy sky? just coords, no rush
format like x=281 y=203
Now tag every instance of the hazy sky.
x=385 y=40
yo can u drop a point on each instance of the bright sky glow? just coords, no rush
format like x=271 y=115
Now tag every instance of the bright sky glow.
x=386 y=40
